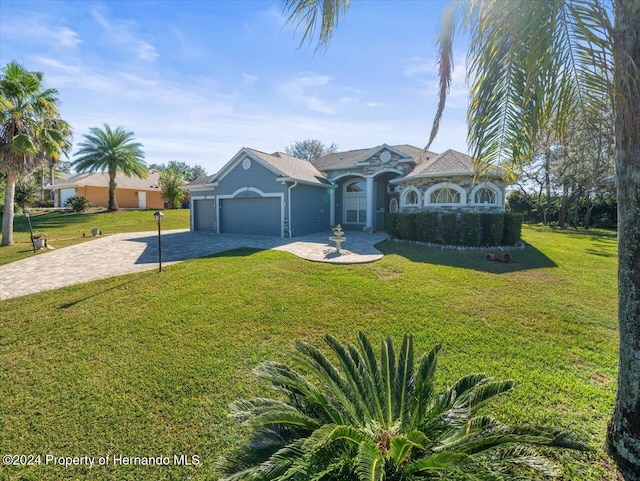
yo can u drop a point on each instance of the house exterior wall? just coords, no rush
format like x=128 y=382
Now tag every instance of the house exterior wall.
x=464 y=182
x=127 y=198
x=256 y=176
x=309 y=209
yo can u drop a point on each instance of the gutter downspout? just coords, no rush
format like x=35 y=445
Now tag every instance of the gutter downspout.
x=289 y=206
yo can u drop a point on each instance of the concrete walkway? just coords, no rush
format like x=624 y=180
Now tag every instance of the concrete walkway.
x=120 y=254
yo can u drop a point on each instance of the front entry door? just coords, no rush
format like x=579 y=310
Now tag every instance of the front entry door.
x=393 y=202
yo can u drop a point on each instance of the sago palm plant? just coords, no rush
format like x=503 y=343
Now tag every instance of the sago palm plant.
x=378 y=417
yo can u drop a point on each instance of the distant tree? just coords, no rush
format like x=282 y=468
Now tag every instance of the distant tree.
x=31 y=132
x=310 y=149
x=170 y=187
x=111 y=151
x=26 y=192
x=189 y=172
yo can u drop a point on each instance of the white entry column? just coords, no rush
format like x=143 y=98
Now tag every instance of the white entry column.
x=370 y=207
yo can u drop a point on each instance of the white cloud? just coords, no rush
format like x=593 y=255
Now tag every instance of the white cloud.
x=122 y=33
x=306 y=88
x=36 y=29
x=248 y=79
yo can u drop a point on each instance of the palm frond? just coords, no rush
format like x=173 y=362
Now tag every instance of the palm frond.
x=312 y=15
x=387 y=375
x=335 y=385
x=369 y=462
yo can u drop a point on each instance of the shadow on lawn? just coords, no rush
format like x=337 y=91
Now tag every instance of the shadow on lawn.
x=529 y=258
x=96 y=294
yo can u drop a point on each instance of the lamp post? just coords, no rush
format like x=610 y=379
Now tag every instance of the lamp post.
x=158 y=216
x=27 y=214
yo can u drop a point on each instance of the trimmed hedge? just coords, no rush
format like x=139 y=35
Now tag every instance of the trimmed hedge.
x=391 y=224
x=492 y=225
x=407 y=226
x=470 y=229
x=512 y=231
x=449 y=228
x=427 y=226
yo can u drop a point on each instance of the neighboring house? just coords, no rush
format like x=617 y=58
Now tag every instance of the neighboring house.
x=131 y=192
x=276 y=194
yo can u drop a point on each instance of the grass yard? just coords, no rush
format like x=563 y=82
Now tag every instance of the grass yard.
x=66 y=228
x=146 y=364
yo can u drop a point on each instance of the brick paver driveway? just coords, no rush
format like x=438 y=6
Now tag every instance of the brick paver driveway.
x=138 y=251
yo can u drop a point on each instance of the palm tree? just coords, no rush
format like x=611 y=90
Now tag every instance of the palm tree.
x=171 y=182
x=111 y=151
x=31 y=132
x=535 y=65
x=379 y=418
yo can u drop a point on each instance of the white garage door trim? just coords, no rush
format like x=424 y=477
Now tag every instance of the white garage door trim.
x=64 y=195
x=261 y=194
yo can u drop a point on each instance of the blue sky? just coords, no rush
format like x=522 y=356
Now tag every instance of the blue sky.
x=198 y=80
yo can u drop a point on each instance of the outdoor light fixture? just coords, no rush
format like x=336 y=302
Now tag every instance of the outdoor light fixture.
x=27 y=214
x=158 y=216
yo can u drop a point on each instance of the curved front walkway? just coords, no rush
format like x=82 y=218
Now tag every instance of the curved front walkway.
x=138 y=251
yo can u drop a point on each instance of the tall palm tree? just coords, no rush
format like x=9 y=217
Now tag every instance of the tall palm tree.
x=111 y=151
x=379 y=418
x=534 y=66
x=31 y=132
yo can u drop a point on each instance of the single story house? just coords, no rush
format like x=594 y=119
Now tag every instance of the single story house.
x=280 y=195
x=131 y=192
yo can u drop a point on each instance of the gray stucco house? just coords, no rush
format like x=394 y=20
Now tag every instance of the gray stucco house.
x=280 y=195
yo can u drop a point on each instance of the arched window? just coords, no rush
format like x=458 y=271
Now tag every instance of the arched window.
x=486 y=193
x=445 y=195
x=410 y=197
x=485 y=196
x=355 y=202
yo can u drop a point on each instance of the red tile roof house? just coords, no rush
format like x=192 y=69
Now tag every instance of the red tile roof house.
x=131 y=192
x=280 y=195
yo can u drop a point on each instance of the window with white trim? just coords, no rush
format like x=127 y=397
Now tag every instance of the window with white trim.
x=445 y=195
x=485 y=195
x=410 y=197
x=355 y=202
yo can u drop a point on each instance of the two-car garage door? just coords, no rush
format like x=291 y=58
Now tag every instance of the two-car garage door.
x=251 y=216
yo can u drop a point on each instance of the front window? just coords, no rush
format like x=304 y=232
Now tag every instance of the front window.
x=445 y=196
x=355 y=201
x=411 y=198
x=485 y=196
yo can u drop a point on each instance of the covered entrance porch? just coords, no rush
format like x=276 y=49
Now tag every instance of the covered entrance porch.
x=361 y=200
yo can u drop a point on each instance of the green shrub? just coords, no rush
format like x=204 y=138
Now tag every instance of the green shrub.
x=353 y=415
x=449 y=228
x=470 y=229
x=512 y=228
x=391 y=224
x=407 y=226
x=492 y=225
x=427 y=226
x=77 y=203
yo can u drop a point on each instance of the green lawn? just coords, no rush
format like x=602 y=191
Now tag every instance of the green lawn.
x=67 y=228
x=146 y=364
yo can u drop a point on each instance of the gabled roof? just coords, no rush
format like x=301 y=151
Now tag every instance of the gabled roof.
x=449 y=162
x=101 y=179
x=351 y=158
x=283 y=165
x=292 y=167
